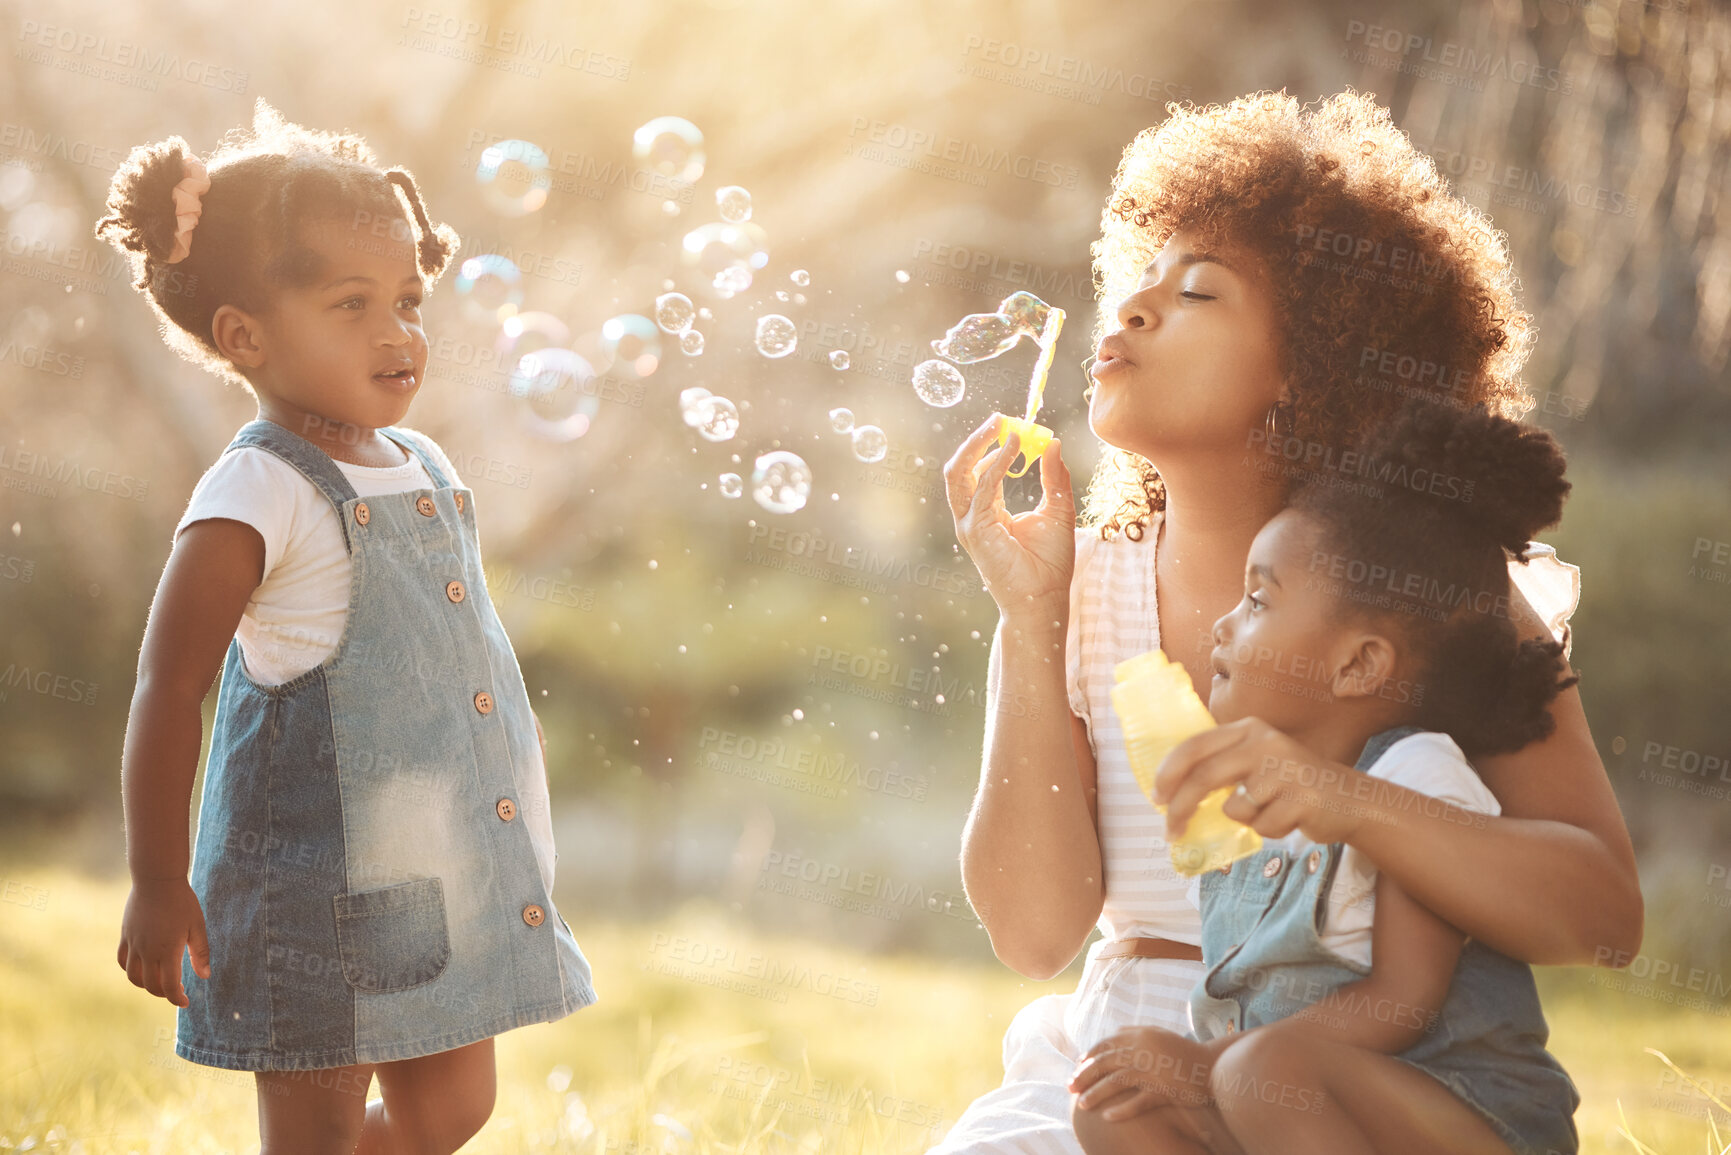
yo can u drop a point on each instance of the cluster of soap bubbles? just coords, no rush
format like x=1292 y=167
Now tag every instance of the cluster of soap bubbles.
x=869 y=442
x=675 y=314
x=713 y=416
x=727 y=253
x=554 y=382
x=978 y=337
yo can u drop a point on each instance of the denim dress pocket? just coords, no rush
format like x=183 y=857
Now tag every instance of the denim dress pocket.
x=393 y=938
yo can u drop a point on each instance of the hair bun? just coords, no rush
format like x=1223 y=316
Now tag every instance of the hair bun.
x=141 y=210
x=1512 y=473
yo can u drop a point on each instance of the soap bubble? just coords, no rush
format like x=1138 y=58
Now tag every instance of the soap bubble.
x=841 y=420
x=902 y=276
x=671 y=208
x=672 y=146
x=689 y=400
x=800 y=277
x=938 y=383
x=1026 y=310
x=554 y=384
x=980 y=336
x=870 y=443
x=731 y=280
x=733 y=203
x=691 y=342
x=781 y=481
x=776 y=335
x=491 y=287
x=16 y=185
x=731 y=485
x=781 y=294
x=633 y=343
x=715 y=418
x=523 y=333
x=514 y=177
x=838 y=359
x=717 y=245
x=674 y=312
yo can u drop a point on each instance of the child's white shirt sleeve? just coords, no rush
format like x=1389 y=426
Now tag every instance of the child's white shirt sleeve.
x=255 y=487
x=1427 y=763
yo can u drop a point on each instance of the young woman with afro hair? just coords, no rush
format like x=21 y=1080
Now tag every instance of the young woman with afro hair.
x=1276 y=281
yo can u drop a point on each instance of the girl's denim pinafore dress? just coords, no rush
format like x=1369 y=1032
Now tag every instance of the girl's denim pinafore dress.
x=1263 y=960
x=374 y=849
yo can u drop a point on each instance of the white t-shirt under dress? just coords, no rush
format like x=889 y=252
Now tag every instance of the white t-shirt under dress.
x=1113 y=616
x=295 y=617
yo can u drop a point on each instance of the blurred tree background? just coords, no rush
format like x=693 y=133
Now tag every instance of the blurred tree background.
x=720 y=683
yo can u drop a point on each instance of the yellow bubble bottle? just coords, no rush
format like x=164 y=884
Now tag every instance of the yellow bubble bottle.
x=1158 y=709
x=1035 y=438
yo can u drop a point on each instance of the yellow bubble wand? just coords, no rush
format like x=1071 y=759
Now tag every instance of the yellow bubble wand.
x=1035 y=437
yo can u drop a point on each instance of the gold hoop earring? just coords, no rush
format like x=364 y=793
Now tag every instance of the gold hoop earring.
x=1270 y=422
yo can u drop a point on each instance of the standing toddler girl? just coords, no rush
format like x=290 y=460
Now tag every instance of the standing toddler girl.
x=371 y=887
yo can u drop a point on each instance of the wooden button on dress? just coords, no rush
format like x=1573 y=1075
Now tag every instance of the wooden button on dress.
x=534 y=915
x=362 y=514
x=454 y=591
x=425 y=505
x=484 y=702
x=507 y=809
x=1312 y=861
x=459 y=501
x=1271 y=868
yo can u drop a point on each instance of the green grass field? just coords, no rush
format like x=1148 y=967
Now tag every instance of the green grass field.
x=686 y=1053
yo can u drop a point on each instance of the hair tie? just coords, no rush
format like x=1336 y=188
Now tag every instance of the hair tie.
x=187 y=205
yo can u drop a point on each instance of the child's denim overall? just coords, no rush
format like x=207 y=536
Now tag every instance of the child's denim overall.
x=372 y=855
x=1263 y=960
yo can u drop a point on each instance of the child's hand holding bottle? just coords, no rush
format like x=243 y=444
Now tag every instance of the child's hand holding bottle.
x=1159 y=709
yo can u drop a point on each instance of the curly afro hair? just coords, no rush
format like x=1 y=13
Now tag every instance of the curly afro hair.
x=266 y=186
x=1387 y=285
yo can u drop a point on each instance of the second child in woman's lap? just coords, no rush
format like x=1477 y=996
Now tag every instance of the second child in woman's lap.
x=1336 y=1014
